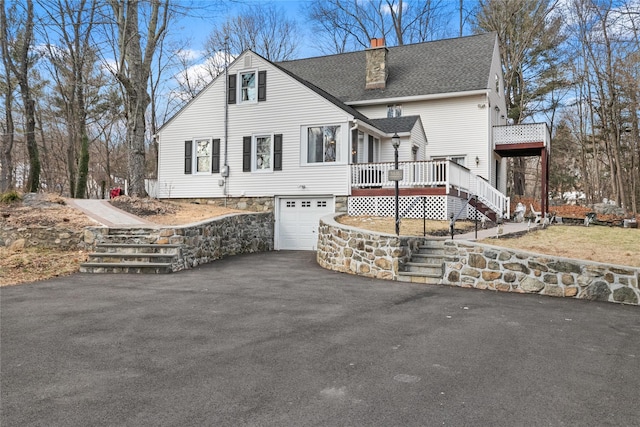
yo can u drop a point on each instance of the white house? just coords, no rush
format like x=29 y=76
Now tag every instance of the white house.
x=315 y=135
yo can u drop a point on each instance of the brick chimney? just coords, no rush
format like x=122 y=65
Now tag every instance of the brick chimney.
x=376 y=76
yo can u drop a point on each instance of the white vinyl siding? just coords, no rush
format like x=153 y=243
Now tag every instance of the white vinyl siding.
x=289 y=106
x=453 y=126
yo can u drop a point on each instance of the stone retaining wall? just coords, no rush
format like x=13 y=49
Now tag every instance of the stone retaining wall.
x=202 y=242
x=356 y=251
x=42 y=237
x=480 y=266
x=474 y=265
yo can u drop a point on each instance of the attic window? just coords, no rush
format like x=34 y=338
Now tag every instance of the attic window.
x=394 y=110
x=248 y=85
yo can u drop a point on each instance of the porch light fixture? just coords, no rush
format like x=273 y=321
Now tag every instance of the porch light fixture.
x=477 y=161
x=395 y=141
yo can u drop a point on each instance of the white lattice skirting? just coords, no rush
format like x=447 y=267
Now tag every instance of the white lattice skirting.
x=435 y=207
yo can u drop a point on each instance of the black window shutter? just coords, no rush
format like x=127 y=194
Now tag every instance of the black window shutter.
x=246 y=154
x=231 y=89
x=262 y=85
x=277 y=152
x=188 y=155
x=370 y=149
x=354 y=146
x=215 y=156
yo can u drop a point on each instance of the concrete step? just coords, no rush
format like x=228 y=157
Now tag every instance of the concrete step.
x=126 y=267
x=127 y=257
x=430 y=258
x=434 y=270
x=144 y=239
x=404 y=276
x=138 y=248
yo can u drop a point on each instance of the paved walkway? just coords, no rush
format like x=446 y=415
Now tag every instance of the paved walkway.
x=107 y=214
x=507 y=228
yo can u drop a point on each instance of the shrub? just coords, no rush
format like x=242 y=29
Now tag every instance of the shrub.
x=10 y=196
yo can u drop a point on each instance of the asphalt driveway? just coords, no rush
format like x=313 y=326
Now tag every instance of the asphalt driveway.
x=274 y=340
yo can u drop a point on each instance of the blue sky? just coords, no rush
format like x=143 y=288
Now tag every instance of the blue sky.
x=199 y=25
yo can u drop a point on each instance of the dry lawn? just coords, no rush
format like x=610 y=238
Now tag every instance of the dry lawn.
x=612 y=245
x=408 y=226
x=33 y=264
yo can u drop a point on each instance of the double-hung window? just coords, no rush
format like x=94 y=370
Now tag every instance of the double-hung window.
x=262 y=153
x=323 y=144
x=248 y=91
x=202 y=155
x=247 y=87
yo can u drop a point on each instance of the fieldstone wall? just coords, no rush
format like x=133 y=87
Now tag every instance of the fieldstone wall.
x=42 y=237
x=491 y=267
x=474 y=265
x=202 y=242
x=258 y=204
x=355 y=251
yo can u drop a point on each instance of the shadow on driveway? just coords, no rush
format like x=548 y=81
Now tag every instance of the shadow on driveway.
x=274 y=340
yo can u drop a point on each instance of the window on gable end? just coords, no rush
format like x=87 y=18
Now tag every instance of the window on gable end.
x=203 y=155
x=262 y=153
x=394 y=110
x=248 y=86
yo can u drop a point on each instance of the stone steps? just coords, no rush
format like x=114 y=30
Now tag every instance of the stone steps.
x=427 y=265
x=132 y=258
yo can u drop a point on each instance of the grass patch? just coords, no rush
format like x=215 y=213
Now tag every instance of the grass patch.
x=10 y=197
x=611 y=245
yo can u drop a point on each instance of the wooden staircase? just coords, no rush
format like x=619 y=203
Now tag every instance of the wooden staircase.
x=426 y=265
x=131 y=250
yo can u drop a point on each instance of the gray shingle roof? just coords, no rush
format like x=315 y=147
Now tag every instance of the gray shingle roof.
x=396 y=124
x=442 y=66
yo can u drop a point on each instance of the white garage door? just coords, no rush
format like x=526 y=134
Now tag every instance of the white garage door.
x=297 y=222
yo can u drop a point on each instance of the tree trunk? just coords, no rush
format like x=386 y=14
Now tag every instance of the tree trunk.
x=6 y=159
x=83 y=169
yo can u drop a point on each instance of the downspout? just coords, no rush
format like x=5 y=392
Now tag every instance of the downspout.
x=226 y=119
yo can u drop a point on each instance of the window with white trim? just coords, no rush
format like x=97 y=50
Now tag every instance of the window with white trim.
x=262 y=152
x=323 y=144
x=248 y=86
x=203 y=155
x=394 y=110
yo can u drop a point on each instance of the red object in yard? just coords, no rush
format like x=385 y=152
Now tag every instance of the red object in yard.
x=115 y=192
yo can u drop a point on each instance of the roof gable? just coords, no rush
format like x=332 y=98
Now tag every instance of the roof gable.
x=442 y=66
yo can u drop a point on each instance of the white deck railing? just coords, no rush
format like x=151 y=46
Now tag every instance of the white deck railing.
x=522 y=134
x=450 y=175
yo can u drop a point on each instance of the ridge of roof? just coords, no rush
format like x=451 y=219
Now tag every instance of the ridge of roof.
x=441 y=66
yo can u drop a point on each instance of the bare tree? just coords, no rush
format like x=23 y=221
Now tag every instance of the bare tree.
x=351 y=24
x=262 y=28
x=72 y=58
x=529 y=34
x=135 y=54
x=20 y=62
x=606 y=46
x=6 y=158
